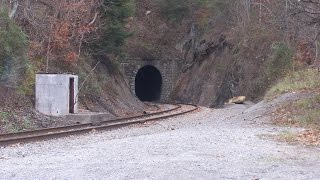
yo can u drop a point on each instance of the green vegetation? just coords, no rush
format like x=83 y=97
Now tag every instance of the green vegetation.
x=13 y=56
x=303 y=112
x=93 y=83
x=281 y=61
x=13 y=49
x=27 y=86
x=9 y=122
x=174 y=10
x=311 y=117
x=268 y=59
x=4 y=117
x=287 y=136
x=277 y=66
x=113 y=33
x=307 y=80
x=177 y=10
x=26 y=124
x=307 y=112
x=13 y=41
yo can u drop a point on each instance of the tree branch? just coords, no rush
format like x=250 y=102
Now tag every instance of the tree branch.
x=14 y=9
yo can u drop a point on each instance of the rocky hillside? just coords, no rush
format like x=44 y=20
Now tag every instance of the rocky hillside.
x=228 y=48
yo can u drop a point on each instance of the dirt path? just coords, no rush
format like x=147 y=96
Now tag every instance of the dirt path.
x=229 y=143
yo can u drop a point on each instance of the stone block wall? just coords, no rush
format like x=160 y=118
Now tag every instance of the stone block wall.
x=168 y=68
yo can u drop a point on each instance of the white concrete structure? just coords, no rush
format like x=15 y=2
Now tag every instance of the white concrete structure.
x=56 y=94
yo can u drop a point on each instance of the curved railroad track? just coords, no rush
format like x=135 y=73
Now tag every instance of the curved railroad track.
x=51 y=133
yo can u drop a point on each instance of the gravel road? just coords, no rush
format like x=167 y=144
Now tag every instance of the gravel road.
x=229 y=143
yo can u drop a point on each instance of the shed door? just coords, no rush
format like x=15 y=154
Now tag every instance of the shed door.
x=71 y=96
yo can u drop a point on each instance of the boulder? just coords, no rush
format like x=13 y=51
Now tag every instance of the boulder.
x=238 y=100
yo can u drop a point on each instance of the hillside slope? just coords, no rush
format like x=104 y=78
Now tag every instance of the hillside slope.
x=223 y=53
x=62 y=37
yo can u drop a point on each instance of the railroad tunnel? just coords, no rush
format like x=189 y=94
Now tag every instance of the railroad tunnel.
x=148 y=83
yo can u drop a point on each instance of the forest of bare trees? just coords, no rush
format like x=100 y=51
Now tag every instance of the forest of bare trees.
x=60 y=28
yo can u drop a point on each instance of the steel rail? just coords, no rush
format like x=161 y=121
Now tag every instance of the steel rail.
x=51 y=133
x=85 y=125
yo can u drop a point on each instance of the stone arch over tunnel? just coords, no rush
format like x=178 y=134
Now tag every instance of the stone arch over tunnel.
x=148 y=83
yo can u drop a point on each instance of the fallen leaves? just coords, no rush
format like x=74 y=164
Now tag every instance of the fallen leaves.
x=309 y=137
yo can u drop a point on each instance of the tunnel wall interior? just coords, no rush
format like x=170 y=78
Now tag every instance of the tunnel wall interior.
x=148 y=84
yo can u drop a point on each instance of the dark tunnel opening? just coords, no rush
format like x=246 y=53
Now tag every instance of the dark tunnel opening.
x=148 y=84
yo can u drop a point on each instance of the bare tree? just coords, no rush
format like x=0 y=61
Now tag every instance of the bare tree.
x=13 y=11
x=308 y=13
x=57 y=29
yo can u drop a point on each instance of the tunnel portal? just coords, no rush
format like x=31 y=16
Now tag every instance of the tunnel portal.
x=148 y=83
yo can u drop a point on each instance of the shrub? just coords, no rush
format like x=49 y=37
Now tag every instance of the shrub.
x=177 y=10
x=28 y=84
x=281 y=61
x=13 y=50
x=174 y=10
x=113 y=33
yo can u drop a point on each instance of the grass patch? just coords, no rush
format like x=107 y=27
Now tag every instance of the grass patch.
x=302 y=113
x=307 y=112
x=11 y=123
x=304 y=80
x=26 y=124
x=310 y=118
x=308 y=137
x=4 y=117
x=287 y=136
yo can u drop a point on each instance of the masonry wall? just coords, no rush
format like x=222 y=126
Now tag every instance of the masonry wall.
x=168 y=68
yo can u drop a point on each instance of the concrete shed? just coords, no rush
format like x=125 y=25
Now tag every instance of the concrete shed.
x=56 y=94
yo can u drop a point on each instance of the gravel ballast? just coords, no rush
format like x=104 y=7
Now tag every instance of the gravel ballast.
x=229 y=143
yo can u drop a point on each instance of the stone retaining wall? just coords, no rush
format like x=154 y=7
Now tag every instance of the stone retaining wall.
x=169 y=70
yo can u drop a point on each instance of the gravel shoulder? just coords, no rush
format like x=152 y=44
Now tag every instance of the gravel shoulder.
x=229 y=143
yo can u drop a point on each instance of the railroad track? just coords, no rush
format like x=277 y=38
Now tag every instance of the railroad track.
x=51 y=133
